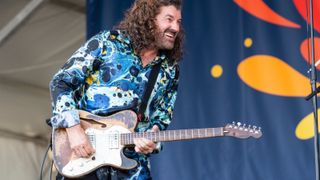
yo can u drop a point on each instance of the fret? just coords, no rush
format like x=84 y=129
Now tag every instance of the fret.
x=122 y=139
x=152 y=137
x=128 y=138
x=182 y=134
x=191 y=133
x=174 y=134
x=185 y=134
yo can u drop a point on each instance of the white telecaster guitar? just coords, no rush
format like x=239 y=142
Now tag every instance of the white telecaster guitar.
x=109 y=135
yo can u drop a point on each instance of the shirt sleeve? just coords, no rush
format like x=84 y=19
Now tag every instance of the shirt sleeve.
x=68 y=82
x=163 y=113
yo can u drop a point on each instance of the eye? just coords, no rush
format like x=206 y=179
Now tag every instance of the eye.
x=169 y=19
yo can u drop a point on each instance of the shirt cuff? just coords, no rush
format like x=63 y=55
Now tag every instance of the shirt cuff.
x=65 y=119
x=158 y=148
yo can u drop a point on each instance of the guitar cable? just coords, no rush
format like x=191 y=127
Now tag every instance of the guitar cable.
x=44 y=160
x=48 y=121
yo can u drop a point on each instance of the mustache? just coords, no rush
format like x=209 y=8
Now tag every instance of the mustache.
x=172 y=31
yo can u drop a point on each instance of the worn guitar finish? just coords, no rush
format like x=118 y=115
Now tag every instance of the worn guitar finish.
x=109 y=135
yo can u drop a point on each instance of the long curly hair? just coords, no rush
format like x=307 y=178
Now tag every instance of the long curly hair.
x=139 y=24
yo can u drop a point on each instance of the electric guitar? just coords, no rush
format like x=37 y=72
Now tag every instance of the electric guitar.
x=109 y=135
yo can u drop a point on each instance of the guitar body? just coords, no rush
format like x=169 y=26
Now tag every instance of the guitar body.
x=104 y=135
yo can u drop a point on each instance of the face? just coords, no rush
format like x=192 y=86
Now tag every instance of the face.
x=168 y=23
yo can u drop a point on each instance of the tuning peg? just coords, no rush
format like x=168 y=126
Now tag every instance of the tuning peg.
x=245 y=127
x=238 y=124
x=233 y=123
x=242 y=127
x=250 y=129
x=254 y=128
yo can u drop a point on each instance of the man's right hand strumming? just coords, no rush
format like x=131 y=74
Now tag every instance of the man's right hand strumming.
x=79 y=141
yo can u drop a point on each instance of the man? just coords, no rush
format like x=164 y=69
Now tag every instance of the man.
x=110 y=73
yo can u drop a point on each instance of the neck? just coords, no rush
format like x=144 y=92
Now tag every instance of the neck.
x=173 y=135
x=147 y=56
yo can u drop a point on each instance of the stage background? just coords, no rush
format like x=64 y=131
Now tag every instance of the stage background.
x=245 y=61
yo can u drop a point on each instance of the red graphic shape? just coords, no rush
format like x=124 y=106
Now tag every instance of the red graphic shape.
x=302 y=9
x=304 y=50
x=262 y=11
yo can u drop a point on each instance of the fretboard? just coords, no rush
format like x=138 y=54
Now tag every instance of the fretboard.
x=172 y=135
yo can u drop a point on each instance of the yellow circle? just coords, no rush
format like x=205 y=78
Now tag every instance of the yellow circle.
x=248 y=42
x=216 y=71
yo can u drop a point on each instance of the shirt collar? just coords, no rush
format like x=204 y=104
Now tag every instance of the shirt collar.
x=158 y=59
x=120 y=36
x=123 y=37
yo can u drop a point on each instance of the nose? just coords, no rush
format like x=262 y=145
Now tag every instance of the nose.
x=175 y=26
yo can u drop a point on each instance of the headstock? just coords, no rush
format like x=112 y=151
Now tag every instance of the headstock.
x=242 y=131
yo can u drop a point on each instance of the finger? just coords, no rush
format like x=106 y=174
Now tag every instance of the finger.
x=139 y=145
x=148 y=144
x=137 y=149
x=155 y=128
x=77 y=152
x=142 y=145
x=89 y=149
x=83 y=152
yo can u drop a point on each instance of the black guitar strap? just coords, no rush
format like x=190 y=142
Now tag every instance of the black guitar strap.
x=150 y=86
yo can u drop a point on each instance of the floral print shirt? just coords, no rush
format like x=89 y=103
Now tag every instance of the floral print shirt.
x=105 y=76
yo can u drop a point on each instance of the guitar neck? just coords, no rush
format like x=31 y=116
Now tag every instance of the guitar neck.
x=173 y=135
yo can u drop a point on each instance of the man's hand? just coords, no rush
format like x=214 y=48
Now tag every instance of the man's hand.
x=143 y=145
x=79 y=141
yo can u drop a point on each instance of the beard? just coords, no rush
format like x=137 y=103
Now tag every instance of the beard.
x=162 y=42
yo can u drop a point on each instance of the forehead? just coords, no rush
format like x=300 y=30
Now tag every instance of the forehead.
x=170 y=11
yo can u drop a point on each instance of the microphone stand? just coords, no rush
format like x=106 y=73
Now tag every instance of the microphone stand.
x=315 y=90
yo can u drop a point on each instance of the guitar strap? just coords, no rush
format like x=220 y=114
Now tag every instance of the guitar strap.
x=150 y=86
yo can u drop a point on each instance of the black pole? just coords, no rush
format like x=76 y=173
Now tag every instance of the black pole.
x=314 y=89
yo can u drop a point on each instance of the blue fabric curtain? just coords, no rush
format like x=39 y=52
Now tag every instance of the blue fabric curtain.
x=244 y=61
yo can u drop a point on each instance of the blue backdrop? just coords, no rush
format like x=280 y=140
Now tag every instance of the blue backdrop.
x=244 y=61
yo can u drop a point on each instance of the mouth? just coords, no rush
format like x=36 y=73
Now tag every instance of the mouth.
x=170 y=35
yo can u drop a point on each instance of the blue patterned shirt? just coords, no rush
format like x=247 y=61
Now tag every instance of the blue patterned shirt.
x=104 y=76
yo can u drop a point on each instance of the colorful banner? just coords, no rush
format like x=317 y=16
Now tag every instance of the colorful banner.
x=245 y=61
